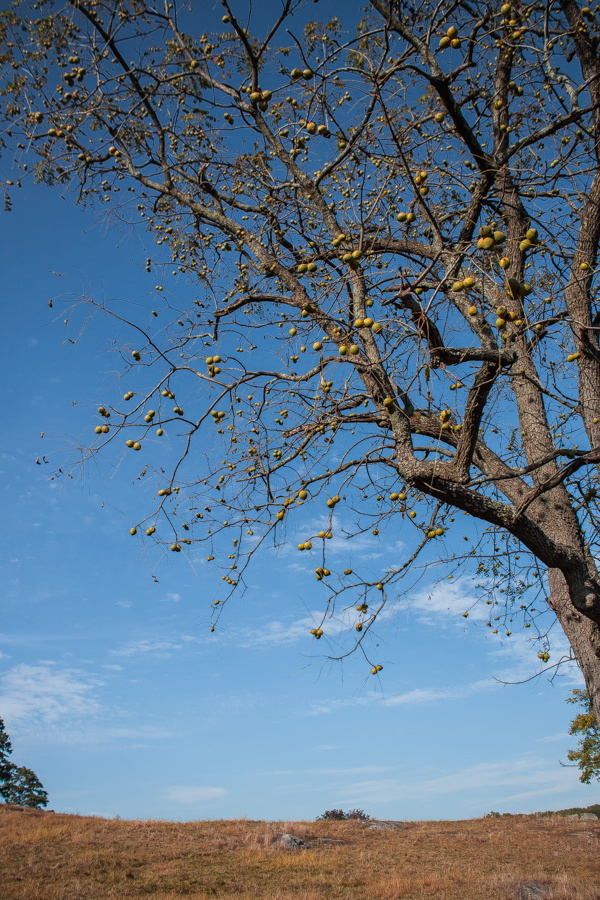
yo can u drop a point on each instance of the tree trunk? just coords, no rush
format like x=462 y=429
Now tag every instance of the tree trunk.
x=582 y=634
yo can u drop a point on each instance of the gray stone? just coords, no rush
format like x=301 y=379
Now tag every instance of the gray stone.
x=573 y=816
x=529 y=890
x=290 y=842
x=587 y=817
x=385 y=826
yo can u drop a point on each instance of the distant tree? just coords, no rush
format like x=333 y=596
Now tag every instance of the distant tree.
x=585 y=724
x=17 y=783
x=5 y=752
x=24 y=788
x=392 y=225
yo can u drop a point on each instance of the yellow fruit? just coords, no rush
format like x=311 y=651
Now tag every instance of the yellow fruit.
x=293 y=331
x=133 y=531
x=388 y=402
x=472 y=310
x=458 y=286
x=98 y=430
x=504 y=262
x=353 y=349
x=367 y=322
x=374 y=670
x=303 y=495
x=439 y=117
x=455 y=44
x=136 y=355
x=412 y=514
x=137 y=446
x=452 y=31
x=159 y=432
x=343 y=350
x=129 y=443
x=469 y=282
x=585 y=266
x=311 y=128
x=444 y=42
x=377 y=327
x=394 y=496
x=317 y=345
x=401 y=496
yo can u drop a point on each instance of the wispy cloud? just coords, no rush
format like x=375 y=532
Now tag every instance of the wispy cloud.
x=46 y=693
x=192 y=795
x=415 y=697
x=157 y=648
x=421 y=696
x=538 y=776
x=171 y=598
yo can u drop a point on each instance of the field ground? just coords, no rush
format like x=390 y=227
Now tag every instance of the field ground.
x=49 y=856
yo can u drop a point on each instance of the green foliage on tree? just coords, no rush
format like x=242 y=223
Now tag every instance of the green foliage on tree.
x=392 y=228
x=17 y=783
x=585 y=724
x=5 y=752
x=24 y=788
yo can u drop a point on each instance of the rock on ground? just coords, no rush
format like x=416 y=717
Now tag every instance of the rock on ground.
x=386 y=826
x=529 y=890
x=291 y=842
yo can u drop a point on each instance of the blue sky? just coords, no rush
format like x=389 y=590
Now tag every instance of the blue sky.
x=111 y=686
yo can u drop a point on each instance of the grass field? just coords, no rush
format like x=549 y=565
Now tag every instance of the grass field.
x=47 y=856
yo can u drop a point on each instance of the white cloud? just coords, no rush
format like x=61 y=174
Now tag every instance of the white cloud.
x=126 y=604
x=421 y=696
x=171 y=598
x=41 y=692
x=193 y=795
x=552 y=738
x=539 y=776
x=158 y=648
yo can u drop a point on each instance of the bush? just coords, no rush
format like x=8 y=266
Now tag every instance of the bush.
x=338 y=815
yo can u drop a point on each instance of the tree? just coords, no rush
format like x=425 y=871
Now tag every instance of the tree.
x=585 y=724
x=24 y=788
x=393 y=228
x=5 y=752
x=17 y=783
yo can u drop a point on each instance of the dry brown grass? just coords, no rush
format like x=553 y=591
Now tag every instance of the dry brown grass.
x=46 y=856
